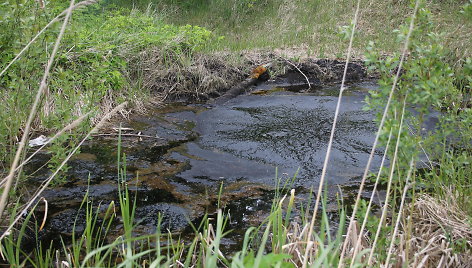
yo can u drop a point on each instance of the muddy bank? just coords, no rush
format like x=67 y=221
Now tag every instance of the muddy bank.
x=208 y=76
x=311 y=72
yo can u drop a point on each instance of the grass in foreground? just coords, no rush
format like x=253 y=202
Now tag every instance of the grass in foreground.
x=278 y=242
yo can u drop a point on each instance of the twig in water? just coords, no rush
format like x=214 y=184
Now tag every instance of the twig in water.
x=126 y=134
x=300 y=71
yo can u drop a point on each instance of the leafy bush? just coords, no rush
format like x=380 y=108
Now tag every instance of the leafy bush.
x=427 y=85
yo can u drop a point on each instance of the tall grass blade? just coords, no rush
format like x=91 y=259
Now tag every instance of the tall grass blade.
x=400 y=210
x=32 y=114
x=389 y=186
x=331 y=137
x=382 y=122
x=374 y=190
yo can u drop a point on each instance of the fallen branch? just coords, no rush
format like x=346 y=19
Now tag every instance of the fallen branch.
x=236 y=90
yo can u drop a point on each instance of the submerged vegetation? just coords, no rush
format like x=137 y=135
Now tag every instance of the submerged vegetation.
x=113 y=53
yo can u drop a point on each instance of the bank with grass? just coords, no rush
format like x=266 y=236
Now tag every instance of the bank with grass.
x=151 y=53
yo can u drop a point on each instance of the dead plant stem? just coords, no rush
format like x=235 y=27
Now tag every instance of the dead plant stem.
x=300 y=71
x=331 y=138
x=402 y=203
x=42 y=88
x=369 y=206
x=382 y=122
x=389 y=186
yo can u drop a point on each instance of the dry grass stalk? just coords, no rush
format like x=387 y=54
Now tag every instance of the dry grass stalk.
x=356 y=242
x=400 y=210
x=382 y=122
x=389 y=190
x=32 y=115
x=374 y=190
x=45 y=214
x=439 y=225
x=297 y=244
x=172 y=76
x=298 y=69
x=331 y=138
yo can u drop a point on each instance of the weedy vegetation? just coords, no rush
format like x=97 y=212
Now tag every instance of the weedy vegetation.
x=111 y=54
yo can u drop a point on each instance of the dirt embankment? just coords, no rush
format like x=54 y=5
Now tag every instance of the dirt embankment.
x=224 y=75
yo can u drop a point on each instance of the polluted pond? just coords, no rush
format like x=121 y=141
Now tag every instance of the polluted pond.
x=183 y=159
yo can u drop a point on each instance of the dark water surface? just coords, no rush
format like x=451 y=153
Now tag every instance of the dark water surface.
x=189 y=150
x=251 y=135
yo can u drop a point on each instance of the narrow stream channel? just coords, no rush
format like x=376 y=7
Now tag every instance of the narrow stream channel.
x=246 y=144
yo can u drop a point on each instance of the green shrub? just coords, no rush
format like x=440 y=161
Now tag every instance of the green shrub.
x=427 y=86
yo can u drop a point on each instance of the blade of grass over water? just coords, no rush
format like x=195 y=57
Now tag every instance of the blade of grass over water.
x=331 y=138
x=381 y=124
x=400 y=210
x=374 y=190
x=50 y=178
x=389 y=188
x=32 y=114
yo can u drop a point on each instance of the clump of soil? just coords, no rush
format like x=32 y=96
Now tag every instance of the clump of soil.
x=331 y=71
x=173 y=77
